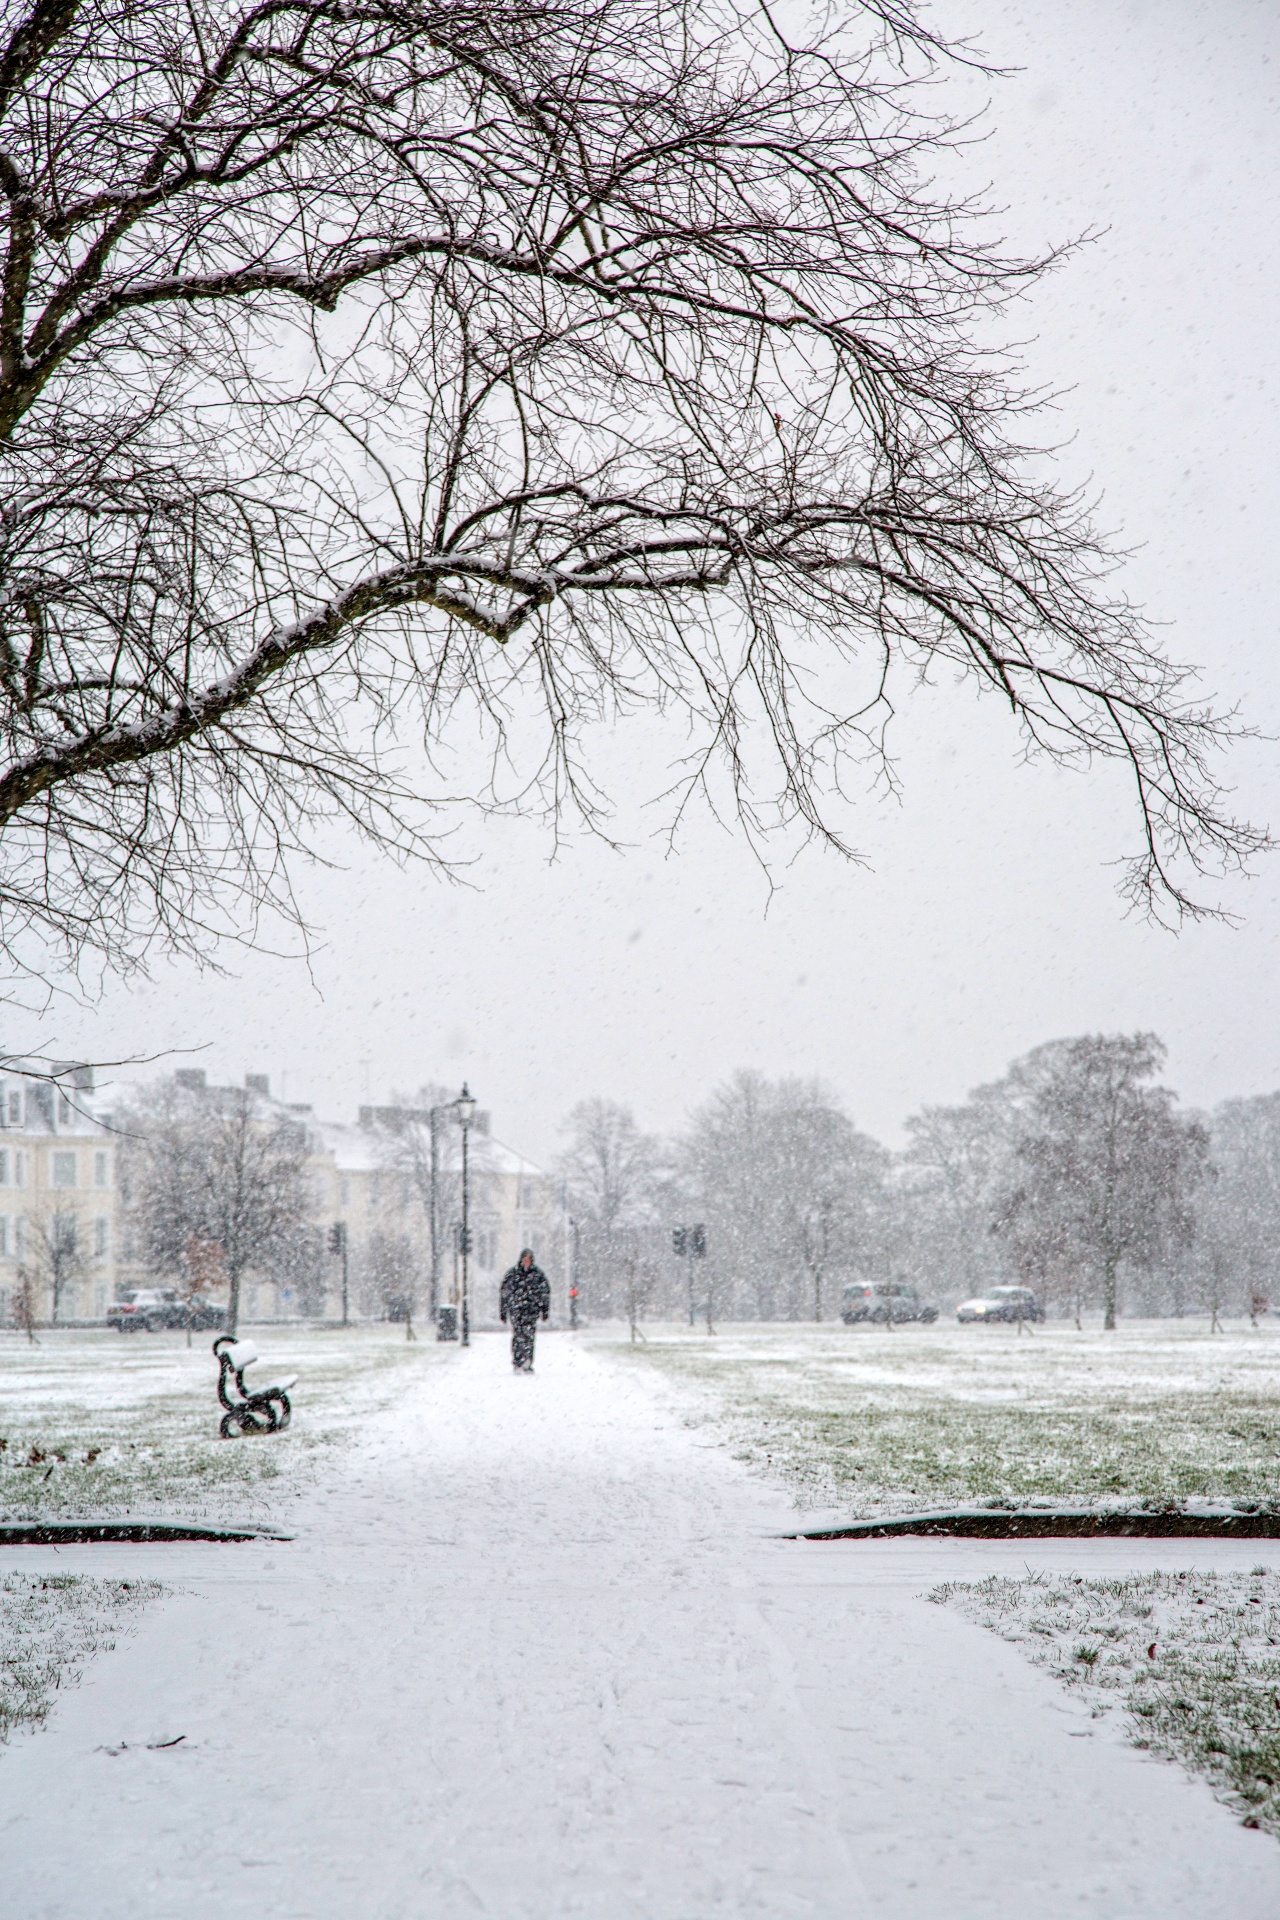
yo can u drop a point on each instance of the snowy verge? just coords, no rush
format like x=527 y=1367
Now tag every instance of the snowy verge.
x=50 y=1625
x=1191 y=1658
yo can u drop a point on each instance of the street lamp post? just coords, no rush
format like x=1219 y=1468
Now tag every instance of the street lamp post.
x=434 y=1125
x=464 y=1106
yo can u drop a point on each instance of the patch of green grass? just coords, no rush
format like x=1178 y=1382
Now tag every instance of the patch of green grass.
x=941 y=1453
x=49 y=1626
x=939 y=1418
x=97 y=1424
x=1192 y=1659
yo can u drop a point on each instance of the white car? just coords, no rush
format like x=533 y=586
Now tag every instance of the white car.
x=1001 y=1303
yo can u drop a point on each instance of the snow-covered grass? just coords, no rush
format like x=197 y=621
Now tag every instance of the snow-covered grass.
x=1193 y=1659
x=869 y=1420
x=100 y=1423
x=49 y=1626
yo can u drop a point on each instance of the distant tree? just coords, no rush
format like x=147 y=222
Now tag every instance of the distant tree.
x=23 y=1306
x=791 y=1193
x=215 y=1164
x=613 y=1173
x=952 y=1179
x=1240 y=1207
x=609 y=1163
x=1107 y=1171
x=56 y=1258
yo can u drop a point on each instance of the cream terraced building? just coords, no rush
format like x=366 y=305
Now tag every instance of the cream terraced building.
x=58 y=1174
x=57 y=1178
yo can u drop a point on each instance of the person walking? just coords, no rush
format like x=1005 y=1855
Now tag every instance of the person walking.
x=524 y=1300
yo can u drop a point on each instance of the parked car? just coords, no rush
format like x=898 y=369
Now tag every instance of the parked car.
x=1001 y=1303
x=152 y=1309
x=884 y=1301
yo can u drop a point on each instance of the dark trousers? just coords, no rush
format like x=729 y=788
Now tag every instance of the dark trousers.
x=523 y=1334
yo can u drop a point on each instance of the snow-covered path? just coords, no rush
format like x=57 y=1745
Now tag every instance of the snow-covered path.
x=536 y=1653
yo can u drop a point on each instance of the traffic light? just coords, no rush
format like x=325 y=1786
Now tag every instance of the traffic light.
x=680 y=1240
x=338 y=1236
x=698 y=1240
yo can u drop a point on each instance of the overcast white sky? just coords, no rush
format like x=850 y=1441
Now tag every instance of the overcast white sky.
x=987 y=920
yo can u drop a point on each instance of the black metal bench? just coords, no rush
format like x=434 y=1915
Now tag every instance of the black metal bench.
x=248 y=1409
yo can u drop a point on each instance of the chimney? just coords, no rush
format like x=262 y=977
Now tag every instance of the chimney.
x=192 y=1078
x=258 y=1083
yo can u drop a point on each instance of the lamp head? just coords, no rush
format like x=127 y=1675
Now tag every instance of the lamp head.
x=464 y=1106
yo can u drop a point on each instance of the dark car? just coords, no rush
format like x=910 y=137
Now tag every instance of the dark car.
x=885 y=1301
x=1001 y=1303
x=153 y=1309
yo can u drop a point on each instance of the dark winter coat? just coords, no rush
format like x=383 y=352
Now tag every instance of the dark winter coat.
x=526 y=1295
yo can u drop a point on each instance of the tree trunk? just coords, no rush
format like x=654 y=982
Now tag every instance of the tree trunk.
x=233 y=1302
x=1109 y=1294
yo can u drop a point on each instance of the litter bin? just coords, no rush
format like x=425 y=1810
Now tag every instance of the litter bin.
x=446 y=1323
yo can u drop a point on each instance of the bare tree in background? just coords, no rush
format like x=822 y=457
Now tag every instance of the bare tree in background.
x=215 y=1164
x=834 y=1180
x=1238 y=1238
x=1108 y=1169
x=22 y=1307
x=955 y=1175
x=612 y=1171
x=55 y=1258
x=472 y=376
x=609 y=1163
x=790 y=1192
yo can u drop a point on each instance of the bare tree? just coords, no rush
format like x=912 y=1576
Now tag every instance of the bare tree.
x=834 y=1183
x=215 y=1164
x=1108 y=1169
x=609 y=1163
x=23 y=1305
x=55 y=1258
x=954 y=1175
x=488 y=372
x=612 y=1171
x=789 y=1189
x=1239 y=1210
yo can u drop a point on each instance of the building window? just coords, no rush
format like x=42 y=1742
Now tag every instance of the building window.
x=64 y=1169
x=65 y=1112
x=19 y=1169
x=4 y=1236
x=4 y=1166
x=19 y=1237
x=15 y=1109
x=100 y=1170
x=100 y=1232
